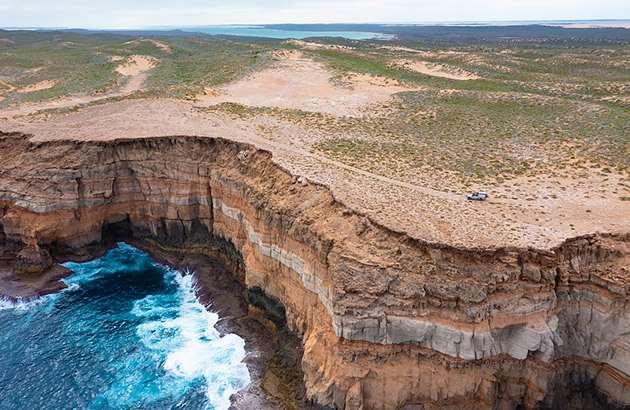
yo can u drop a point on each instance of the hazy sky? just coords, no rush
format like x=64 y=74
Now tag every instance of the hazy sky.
x=126 y=13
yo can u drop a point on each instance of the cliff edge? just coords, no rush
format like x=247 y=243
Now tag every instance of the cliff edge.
x=387 y=321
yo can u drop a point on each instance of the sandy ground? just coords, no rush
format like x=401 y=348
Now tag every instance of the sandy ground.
x=603 y=24
x=164 y=47
x=136 y=65
x=295 y=82
x=42 y=85
x=9 y=89
x=519 y=213
x=437 y=70
x=307 y=45
x=539 y=212
x=136 y=69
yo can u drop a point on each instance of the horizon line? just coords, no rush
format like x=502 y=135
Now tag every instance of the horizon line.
x=259 y=25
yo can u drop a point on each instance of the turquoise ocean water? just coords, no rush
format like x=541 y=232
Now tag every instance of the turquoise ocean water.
x=127 y=334
x=258 y=31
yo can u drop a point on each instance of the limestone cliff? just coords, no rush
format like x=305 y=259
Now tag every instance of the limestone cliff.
x=387 y=321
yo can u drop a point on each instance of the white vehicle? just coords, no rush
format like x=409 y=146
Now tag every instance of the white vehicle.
x=477 y=196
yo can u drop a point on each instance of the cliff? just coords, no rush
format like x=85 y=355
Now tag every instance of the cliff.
x=386 y=321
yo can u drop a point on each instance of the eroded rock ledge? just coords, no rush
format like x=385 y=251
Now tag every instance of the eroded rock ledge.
x=386 y=321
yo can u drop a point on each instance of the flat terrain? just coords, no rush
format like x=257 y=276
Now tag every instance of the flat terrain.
x=400 y=129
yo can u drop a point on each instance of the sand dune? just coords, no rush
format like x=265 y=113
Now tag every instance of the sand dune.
x=42 y=85
x=437 y=70
x=298 y=83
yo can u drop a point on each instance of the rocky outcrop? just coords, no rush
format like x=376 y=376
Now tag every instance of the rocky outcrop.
x=32 y=261
x=387 y=321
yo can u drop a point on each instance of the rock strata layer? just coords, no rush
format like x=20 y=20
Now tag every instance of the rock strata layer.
x=387 y=321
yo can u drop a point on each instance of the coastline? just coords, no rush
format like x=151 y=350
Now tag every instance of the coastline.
x=220 y=293
x=505 y=312
x=218 y=290
x=273 y=353
x=19 y=289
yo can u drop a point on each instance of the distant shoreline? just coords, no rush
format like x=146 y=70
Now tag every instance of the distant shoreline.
x=366 y=31
x=595 y=23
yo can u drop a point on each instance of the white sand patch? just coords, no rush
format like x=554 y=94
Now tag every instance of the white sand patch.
x=400 y=48
x=317 y=46
x=606 y=24
x=136 y=68
x=293 y=55
x=164 y=47
x=10 y=87
x=437 y=70
x=136 y=65
x=308 y=86
x=624 y=99
x=42 y=85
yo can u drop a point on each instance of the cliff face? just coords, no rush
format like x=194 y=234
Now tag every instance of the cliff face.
x=386 y=321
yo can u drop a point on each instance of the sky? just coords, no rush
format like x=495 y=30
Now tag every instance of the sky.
x=135 y=13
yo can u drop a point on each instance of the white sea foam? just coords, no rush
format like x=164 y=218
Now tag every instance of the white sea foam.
x=29 y=302
x=82 y=274
x=182 y=330
x=23 y=303
x=182 y=354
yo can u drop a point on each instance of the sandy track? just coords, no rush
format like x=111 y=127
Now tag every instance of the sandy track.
x=10 y=88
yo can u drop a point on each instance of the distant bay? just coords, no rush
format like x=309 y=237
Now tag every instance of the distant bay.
x=241 y=31
x=262 y=31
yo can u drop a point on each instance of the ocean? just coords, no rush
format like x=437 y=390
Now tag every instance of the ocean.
x=127 y=333
x=257 y=31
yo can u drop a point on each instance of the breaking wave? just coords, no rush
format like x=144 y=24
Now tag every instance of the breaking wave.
x=127 y=333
